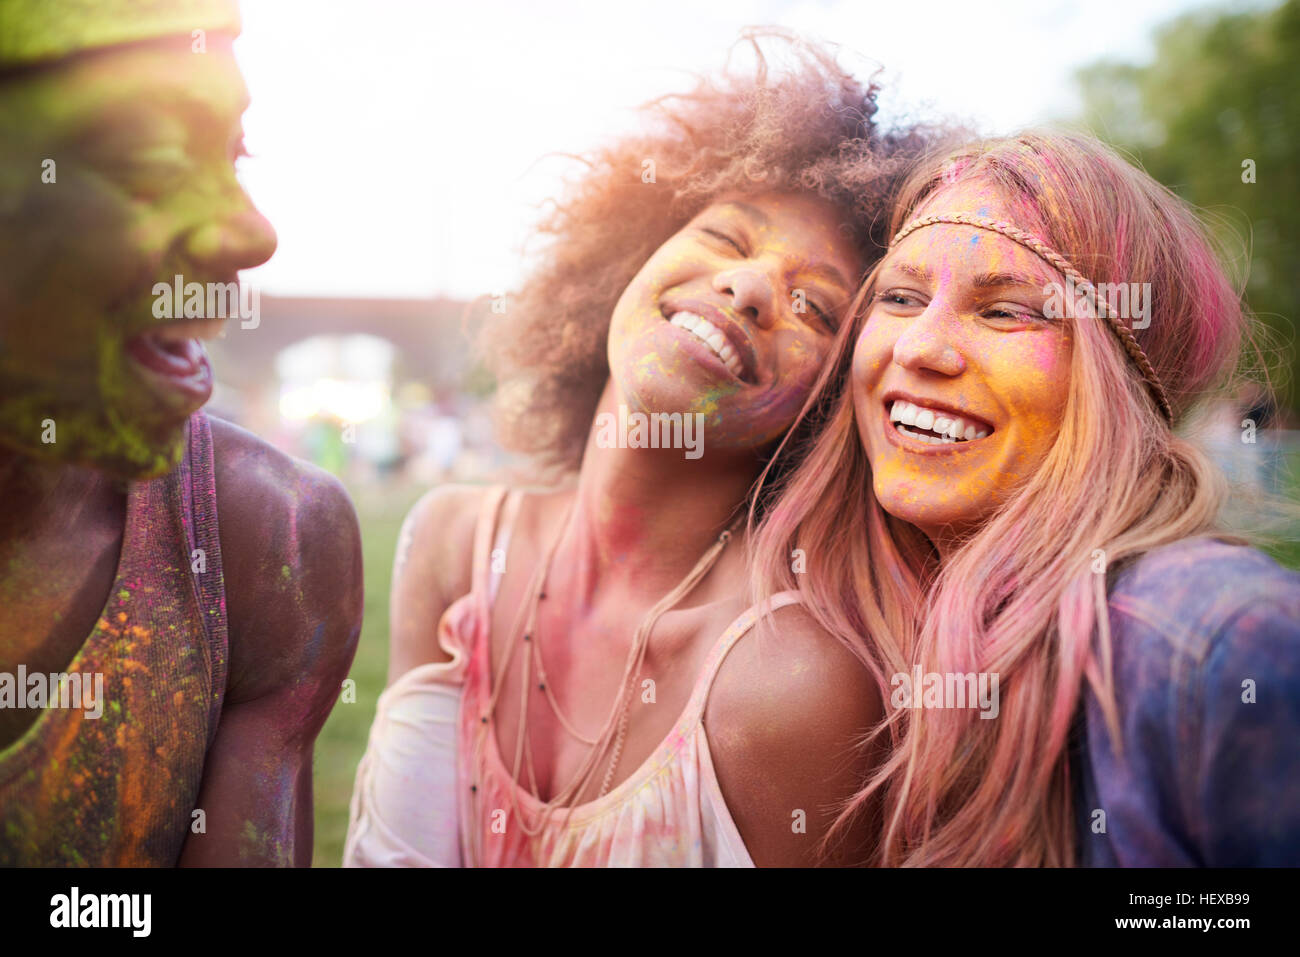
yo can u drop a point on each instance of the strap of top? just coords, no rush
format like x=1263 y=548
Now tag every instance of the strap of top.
x=735 y=631
x=492 y=539
x=482 y=580
x=501 y=540
x=198 y=506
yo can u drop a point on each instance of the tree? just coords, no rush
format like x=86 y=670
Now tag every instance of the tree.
x=1216 y=117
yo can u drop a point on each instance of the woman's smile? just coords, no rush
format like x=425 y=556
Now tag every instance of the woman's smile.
x=723 y=334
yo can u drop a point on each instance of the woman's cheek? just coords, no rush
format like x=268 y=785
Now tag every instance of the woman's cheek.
x=1036 y=371
x=870 y=354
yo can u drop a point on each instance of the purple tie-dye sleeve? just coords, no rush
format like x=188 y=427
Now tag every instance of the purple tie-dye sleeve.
x=1247 y=774
x=1206 y=638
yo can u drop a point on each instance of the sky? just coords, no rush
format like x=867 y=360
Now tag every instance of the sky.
x=400 y=147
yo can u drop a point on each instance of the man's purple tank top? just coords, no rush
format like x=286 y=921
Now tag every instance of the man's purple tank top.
x=120 y=789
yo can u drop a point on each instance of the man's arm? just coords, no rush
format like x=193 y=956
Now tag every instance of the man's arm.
x=291 y=552
x=784 y=721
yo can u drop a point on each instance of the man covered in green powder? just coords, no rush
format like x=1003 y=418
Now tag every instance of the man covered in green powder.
x=179 y=602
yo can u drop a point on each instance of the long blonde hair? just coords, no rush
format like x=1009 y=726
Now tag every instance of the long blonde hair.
x=1025 y=596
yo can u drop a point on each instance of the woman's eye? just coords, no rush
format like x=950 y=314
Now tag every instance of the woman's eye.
x=733 y=243
x=824 y=316
x=895 y=297
x=1014 y=313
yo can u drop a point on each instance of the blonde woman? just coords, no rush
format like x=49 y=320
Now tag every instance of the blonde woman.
x=1075 y=664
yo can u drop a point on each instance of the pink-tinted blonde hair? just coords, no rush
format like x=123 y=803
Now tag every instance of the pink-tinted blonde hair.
x=1020 y=597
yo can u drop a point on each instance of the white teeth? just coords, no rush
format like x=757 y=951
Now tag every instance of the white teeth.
x=712 y=336
x=928 y=439
x=951 y=428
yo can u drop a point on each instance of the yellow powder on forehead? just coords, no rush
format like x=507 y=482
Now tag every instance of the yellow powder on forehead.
x=37 y=31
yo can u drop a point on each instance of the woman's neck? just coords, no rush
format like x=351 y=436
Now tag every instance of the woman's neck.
x=644 y=516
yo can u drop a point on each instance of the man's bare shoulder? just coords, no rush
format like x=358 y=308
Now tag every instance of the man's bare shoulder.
x=291 y=554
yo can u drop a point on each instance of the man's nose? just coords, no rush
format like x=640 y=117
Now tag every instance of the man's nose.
x=227 y=244
x=750 y=291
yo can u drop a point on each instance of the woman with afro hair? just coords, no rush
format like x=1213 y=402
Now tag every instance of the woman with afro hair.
x=574 y=678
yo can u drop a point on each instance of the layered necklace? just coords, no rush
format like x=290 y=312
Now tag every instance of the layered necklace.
x=608 y=743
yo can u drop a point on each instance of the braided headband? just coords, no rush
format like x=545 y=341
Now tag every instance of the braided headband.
x=1055 y=259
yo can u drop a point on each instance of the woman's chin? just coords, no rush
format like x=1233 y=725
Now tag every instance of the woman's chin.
x=925 y=513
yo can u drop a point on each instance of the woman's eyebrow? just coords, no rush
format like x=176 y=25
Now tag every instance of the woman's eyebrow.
x=827 y=272
x=753 y=212
x=919 y=273
x=820 y=270
x=989 y=280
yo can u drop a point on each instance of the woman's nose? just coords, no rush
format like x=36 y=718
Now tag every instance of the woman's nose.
x=750 y=291
x=926 y=343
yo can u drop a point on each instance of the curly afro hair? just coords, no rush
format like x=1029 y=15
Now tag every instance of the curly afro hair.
x=805 y=127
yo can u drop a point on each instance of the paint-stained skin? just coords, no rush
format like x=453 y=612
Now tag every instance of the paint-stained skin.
x=759 y=258
x=144 y=141
x=937 y=330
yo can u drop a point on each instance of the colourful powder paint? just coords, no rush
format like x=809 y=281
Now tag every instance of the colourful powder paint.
x=937 y=335
x=781 y=248
x=119 y=790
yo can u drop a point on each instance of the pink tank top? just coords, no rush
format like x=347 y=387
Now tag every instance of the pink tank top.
x=433 y=789
x=118 y=790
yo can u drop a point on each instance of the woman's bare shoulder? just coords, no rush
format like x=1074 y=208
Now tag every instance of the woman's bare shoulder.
x=434 y=565
x=785 y=720
x=437 y=537
x=432 y=568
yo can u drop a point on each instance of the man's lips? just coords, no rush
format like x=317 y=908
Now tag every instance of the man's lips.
x=176 y=358
x=173 y=353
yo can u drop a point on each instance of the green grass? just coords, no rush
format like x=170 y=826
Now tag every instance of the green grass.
x=343 y=739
